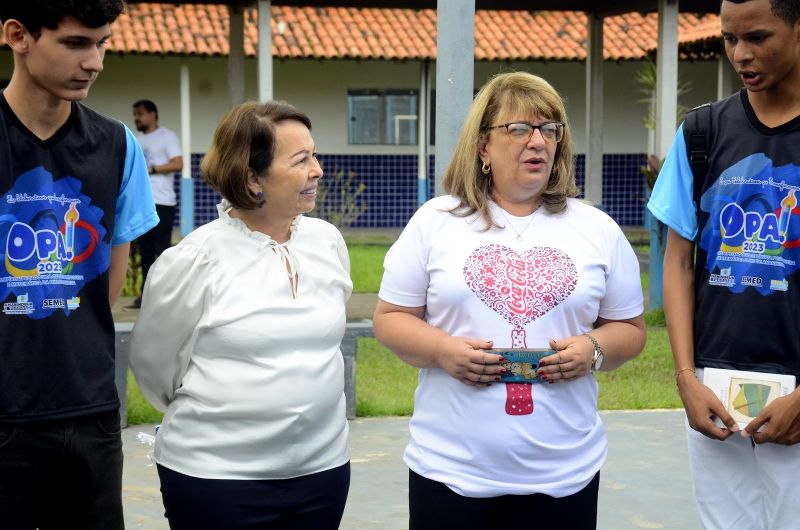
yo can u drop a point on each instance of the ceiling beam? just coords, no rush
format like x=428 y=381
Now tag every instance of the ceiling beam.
x=601 y=7
x=620 y=7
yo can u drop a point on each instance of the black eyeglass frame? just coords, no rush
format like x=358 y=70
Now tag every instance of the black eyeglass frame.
x=558 y=124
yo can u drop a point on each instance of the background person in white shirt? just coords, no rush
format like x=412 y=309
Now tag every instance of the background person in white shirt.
x=506 y=260
x=238 y=340
x=162 y=149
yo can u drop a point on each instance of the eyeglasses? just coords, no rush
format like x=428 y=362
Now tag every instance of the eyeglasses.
x=520 y=132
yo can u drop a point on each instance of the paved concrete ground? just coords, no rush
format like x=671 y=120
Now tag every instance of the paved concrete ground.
x=644 y=484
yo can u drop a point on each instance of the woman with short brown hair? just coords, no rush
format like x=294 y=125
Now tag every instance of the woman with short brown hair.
x=238 y=340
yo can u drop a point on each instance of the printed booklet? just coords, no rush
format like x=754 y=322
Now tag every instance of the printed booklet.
x=745 y=394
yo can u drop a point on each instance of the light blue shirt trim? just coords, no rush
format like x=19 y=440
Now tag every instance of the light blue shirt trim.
x=136 y=210
x=672 y=200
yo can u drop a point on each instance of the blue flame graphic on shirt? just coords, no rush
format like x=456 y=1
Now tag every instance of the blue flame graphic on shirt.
x=52 y=244
x=753 y=235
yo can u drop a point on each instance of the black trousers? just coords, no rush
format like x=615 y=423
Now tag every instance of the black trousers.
x=152 y=243
x=309 y=502
x=434 y=506
x=62 y=474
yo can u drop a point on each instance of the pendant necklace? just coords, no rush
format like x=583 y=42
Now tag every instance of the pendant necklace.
x=530 y=220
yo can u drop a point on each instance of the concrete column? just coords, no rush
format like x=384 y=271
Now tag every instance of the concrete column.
x=264 y=51
x=187 y=184
x=455 y=76
x=349 y=348
x=666 y=116
x=593 y=188
x=122 y=337
x=236 y=54
x=666 y=76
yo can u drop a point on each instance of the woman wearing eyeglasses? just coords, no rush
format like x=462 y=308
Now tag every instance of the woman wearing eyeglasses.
x=508 y=260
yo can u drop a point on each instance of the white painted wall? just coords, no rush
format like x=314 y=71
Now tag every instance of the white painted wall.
x=319 y=88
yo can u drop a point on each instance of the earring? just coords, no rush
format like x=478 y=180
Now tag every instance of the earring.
x=486 y=168
x=260 y=197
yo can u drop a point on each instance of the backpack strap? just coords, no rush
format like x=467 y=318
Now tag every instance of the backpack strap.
x=697 y=133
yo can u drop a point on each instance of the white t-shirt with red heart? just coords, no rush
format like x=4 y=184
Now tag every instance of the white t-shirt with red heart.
x=567 y=270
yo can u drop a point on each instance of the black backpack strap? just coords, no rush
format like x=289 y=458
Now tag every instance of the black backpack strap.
x=697 y=133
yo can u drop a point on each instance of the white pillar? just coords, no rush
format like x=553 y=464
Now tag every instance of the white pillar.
x=666 y=76
x=264 y=51
x=666 y=118
x=422 y=133
x=724 y=82
x=187 y=184
x=455 y=76
x=593 y=187
x=236 y=54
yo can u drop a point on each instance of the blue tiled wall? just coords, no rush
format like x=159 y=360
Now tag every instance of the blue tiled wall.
x=623 y=186
x=391 y=187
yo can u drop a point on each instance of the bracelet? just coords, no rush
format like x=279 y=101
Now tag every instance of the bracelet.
x=679 y=372
x=597 y=355
x=594 y=342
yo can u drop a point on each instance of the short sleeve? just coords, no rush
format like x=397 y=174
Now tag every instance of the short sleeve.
x=623 y=298
x=173 y=303
x=136 y=209
x=173 y=145
x=672 y=200
x=405 y=273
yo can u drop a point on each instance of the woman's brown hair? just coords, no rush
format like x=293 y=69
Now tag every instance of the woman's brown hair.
x=245 y=141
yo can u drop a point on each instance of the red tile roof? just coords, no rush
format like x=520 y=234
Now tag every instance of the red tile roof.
x=372 y=33
x=707 y=28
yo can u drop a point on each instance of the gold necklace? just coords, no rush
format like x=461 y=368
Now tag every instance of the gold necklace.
x=508 y=220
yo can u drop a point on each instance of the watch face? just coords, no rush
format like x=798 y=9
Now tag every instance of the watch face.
x=597 y=360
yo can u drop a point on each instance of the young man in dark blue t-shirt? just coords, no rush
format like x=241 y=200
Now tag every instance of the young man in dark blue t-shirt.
x=732 y=271
x=74 y=192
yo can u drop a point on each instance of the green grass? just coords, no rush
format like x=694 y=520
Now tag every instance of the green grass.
x=366 y=266
x=139 y=410
x=646 y=382
x=357 y=236
x=385 y=384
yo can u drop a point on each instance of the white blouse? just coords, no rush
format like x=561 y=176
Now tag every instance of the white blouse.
x=245 y=361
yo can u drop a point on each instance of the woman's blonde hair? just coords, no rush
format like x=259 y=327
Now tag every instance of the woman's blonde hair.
x=245 y=141
x=517 y=94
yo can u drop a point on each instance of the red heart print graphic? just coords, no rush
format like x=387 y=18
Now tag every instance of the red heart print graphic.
x=520 y=289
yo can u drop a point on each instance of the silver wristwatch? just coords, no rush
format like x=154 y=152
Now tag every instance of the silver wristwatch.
x=597 y=358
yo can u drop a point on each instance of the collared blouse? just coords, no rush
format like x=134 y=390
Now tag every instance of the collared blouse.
x=238 y=340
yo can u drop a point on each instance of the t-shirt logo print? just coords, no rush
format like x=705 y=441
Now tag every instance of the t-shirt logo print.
x=752 y=237
x=520 y=288
x=52 y=244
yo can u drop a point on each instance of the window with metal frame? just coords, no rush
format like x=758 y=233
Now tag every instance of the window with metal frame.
x=382 y=116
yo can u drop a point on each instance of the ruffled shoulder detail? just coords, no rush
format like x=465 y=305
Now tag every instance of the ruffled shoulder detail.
x=234 y=222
